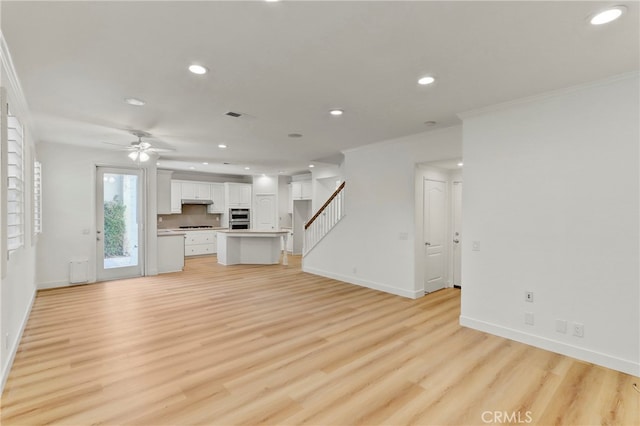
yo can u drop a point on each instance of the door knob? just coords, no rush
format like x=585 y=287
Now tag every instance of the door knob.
x=456 y=241
x=427 y=243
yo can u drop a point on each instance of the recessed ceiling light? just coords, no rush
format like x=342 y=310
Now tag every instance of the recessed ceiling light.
x=197 y=69
x=607 y=15
x=205 y=163
x=221 y=146
x=336 y=112
x=295 y=135
x=460 y=164
x=247 y=168
x=158 y=163
x=426 y=80
x=192 y=168
x=430 y=123
x=135 y=101
x=272 y=1
x=311 y=166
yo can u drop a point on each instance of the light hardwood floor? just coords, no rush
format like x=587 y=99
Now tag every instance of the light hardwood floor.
x=272 y=345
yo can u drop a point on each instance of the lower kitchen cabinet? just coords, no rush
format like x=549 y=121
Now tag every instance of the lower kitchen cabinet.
x=170 y=253
x=198 y=243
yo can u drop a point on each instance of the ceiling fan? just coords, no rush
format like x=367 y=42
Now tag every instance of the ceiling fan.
x=140 y=150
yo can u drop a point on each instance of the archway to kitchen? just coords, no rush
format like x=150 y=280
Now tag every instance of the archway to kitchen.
x=438 y=237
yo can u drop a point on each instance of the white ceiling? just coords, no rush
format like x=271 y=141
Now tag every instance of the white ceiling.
x=286 y=64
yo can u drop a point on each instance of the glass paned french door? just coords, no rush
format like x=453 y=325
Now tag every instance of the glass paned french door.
x=119 y=219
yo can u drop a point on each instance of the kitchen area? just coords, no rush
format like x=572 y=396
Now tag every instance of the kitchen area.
x=196 y=210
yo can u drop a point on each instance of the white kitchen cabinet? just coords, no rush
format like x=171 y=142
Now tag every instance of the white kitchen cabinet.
x=163 y=192
x=300 y=190
x=238 y=195
x=217 y=196
x=200 y=242
x=306 y=190
x=170 y=253
x=196 y=191
x=176 y=197
x=296 y=190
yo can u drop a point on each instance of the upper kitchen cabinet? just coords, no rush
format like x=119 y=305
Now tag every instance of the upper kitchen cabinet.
x=217 y=196
x=176 y=197
x=238 y=195
x=163 y=186
x=301 y=190
x=196 y=191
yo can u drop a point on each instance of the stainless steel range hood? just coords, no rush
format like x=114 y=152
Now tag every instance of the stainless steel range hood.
x=196 y=201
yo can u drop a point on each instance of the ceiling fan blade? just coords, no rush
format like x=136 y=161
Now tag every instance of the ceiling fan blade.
x=154 y=149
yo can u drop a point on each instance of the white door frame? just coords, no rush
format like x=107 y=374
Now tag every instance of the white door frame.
x=456 y=227
x=103 y=274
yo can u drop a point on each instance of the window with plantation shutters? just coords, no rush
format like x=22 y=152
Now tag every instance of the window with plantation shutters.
x=37 y=197
x=15 y=188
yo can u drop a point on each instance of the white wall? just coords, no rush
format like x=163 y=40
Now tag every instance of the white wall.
x=265 y=185
x=368 y=247
x=323 y=181
x=69 y=208
x=17 y=289
x=552 y=193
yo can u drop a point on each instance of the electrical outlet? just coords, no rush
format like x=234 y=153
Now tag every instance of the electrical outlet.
x=578 y=329
x=528 y=296
x=561 y=326
x=528 y=318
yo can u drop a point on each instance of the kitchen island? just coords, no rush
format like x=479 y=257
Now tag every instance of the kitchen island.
x=251 y=247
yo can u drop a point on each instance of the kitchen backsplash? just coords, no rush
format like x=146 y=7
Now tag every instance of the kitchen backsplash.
x=192 y=215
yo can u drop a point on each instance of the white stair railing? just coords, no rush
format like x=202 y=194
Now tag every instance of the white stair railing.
x=324 y=220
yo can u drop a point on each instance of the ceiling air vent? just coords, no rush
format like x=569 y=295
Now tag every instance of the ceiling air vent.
x=233 y=114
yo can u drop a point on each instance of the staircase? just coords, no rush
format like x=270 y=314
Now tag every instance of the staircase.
x=324 y=220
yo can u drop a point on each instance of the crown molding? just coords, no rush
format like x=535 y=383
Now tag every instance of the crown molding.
x=15 y=93
x=547 y=95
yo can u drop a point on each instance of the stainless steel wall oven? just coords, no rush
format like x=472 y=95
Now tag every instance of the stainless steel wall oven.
x=239 y=219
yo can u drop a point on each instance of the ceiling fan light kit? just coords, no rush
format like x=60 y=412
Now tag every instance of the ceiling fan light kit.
x=139 y=156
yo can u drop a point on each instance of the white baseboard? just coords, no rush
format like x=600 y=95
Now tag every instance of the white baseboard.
x=604 y=360
x=53 y=284
x=13 y=349
x=412 y=294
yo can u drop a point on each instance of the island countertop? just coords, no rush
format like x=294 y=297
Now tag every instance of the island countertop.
x=251 y=246
x=254 y=231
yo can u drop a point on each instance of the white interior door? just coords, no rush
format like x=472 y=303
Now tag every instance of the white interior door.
x=265 y=217
x=457 y=233
x=119 y=223
x=434 y=229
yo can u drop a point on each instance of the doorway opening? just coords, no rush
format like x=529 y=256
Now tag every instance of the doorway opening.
x=439 y=234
